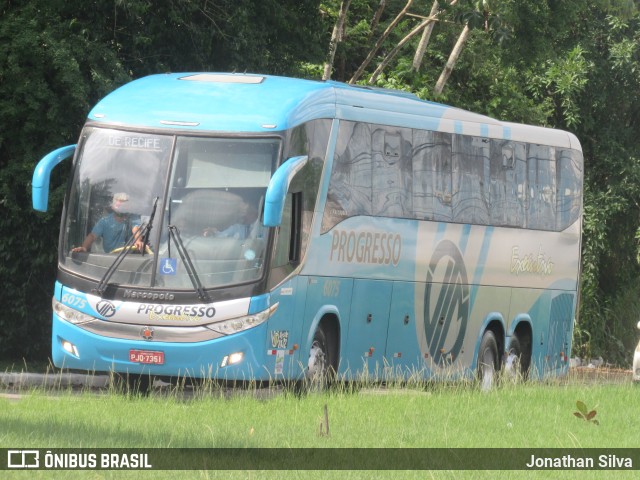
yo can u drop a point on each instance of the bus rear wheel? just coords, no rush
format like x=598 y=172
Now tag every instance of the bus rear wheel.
x=487 y=361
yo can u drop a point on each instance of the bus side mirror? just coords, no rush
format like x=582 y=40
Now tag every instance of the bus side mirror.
x=42 y=173
x=278 y=188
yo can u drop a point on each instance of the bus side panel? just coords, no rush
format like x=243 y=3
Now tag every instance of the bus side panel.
x=403 y=354
x=368 y=326
x=284 y=334
x=450 y=321
x=560 y=324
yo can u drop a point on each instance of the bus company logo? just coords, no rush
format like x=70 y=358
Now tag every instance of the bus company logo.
x=446 y=303
x=147 y=333
x=106 y=308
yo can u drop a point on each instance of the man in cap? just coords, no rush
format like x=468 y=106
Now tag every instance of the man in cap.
x=115 y=229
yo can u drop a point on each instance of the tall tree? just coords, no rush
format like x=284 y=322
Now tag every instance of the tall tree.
x=372 y=53
x=336 y=37
x=426 y=35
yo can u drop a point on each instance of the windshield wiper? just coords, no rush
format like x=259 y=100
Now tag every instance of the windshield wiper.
x=143 y=232
x=149 y=225
x=186 y=259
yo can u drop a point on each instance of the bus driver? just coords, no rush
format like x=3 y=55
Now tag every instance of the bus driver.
x=114 y=228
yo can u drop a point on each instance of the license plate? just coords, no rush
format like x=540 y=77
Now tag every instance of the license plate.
x=146 y=356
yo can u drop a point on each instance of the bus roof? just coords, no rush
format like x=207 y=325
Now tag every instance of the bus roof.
x=250 y=103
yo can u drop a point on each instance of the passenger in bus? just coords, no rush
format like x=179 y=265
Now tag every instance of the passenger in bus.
x=248 y=215
x=115 y=228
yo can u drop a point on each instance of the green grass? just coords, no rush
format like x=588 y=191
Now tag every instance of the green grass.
x=525 y=416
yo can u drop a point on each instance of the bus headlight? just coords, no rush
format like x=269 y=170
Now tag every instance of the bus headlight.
x=69 y=314
x=240 y=324
x=70 y=348
x=232 y=359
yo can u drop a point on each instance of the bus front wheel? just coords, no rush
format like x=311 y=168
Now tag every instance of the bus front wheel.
x=487 y=360
x=319 y=365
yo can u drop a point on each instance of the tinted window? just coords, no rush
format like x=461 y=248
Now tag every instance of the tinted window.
x=426 y=175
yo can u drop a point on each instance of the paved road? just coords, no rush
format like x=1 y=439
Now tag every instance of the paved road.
x=52 y=380
x=12 y=384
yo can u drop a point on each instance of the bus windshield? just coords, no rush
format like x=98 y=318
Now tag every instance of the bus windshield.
x=212 y=201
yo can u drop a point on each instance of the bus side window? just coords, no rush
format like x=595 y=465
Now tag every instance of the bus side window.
x=431 y=175
x=518 y=181
x=350 y=184
x=391 y=184
x=541 y=165
x=569 y=188
x=470 y=179
x=287 y=245
x=502 y=161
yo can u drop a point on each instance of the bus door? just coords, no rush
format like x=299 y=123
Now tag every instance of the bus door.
x=368 y=326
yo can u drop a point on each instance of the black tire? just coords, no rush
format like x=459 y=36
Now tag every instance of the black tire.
x=488 y=359
x=523 y=357
x=320 y=365
x=139 y=383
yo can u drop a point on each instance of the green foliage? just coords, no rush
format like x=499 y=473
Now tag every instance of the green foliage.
x=50 y=73
x=563 y=82
x=586 y=415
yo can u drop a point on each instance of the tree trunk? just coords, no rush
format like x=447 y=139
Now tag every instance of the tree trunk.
x=379 y=43
x=376 y=18
x=336 y=37
x=426 y=35
x=451 y=63
x=426 y=23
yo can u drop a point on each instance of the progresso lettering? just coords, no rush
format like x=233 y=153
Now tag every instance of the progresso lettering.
x=379 y=248
x=183 y=313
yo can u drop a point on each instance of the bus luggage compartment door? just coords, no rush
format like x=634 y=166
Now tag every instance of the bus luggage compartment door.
x=368 y=325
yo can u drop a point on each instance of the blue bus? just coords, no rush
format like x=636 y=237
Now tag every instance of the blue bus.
x=254 y=227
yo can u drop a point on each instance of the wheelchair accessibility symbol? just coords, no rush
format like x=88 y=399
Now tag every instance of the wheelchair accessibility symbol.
x=168 y=266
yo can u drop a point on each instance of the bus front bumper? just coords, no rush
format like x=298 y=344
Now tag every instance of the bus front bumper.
x=240 y=356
